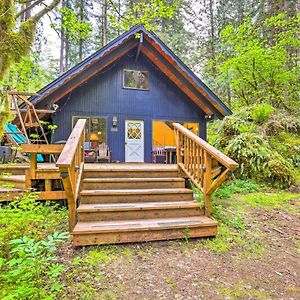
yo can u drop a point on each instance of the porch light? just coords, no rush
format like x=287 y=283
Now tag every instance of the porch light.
x=114 y=121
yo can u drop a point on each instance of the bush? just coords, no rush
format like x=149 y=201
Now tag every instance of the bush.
x=258 y=161
x=261 y=113
x=31 y=218
x=32 y=270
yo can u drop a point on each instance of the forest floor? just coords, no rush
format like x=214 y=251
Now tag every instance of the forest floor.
x=256 y=255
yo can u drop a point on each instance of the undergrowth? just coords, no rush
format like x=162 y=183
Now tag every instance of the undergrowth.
x=264 y=141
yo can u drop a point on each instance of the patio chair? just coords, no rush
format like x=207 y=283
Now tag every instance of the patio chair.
x=103 y=153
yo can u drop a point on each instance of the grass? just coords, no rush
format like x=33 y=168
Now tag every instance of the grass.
x=269 y=200
x=242 y=290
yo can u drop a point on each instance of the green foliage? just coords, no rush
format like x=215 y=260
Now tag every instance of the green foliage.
x=27 y=75
x=261 y=113
x=258 y=161
x=31 y=218
x=237 y=186
x=258 y=67
x=32 y=271
x=146 y=13
x=72 y=26
x=259 y=139
x=5 y=115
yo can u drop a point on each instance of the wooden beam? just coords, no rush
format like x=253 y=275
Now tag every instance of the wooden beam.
x=42 y=148
x=39 y=111
x=52 y=195
x=13 y=92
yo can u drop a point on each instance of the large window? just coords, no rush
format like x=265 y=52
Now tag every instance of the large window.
x=135 y=79
x=95 y=130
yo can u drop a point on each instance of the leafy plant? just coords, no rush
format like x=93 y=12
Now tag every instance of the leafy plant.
x=261 y=112
x=258 y=161
x=32 y=271
x=237 y=186
x=27 y=216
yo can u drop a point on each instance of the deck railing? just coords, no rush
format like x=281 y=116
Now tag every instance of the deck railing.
x=71 y=164
x=203 y=164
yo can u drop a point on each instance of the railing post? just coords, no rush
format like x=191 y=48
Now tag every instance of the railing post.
x=64 y=174
x=207 y=183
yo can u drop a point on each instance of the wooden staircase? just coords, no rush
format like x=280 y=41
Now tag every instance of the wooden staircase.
x=124 y=203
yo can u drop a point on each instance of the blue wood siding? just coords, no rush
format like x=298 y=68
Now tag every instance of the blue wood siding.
x=104 y=96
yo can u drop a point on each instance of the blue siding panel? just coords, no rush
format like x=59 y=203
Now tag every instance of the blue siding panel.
x=103 y=95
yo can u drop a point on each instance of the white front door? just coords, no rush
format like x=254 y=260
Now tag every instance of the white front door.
x=134 y=141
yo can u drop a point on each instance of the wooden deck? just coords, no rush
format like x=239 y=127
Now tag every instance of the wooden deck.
x=120 y=203
x=13 y=181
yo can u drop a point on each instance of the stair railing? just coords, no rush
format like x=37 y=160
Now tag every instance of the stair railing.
x=203 y=164
x=71 y=164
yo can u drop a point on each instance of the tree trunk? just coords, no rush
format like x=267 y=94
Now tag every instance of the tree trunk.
x=104 y=23
x=212 y=37
x=81 y=15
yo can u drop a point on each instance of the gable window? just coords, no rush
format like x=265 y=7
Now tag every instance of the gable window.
x=135 y=79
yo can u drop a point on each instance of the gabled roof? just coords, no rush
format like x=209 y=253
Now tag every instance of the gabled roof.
x=156 y=51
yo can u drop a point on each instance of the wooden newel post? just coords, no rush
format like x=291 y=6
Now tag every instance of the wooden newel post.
x=207 y=183
x=64 y=174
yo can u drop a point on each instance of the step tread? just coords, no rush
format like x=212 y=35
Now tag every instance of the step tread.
x=13 y=178
x=11 y=190
x=136 y=191
x=136 y=206
x=106 y=180
x=130 y=167
x=142 y=225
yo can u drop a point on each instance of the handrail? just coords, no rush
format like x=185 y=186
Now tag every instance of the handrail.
x=203 y=164
x=218 y=155
x=71 y=164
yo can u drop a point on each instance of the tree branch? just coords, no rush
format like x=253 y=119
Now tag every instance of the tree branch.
x=45 y=10
x=28 y=8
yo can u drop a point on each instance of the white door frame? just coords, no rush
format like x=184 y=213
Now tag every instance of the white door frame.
x=135 y=147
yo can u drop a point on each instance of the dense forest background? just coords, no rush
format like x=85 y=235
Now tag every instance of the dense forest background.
x=246 y=51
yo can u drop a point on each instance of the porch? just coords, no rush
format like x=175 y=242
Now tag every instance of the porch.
x=126 y=202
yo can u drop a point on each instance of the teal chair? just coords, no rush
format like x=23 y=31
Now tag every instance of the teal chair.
x=13 y=131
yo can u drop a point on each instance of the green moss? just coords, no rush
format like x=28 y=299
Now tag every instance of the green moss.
x=100 y=255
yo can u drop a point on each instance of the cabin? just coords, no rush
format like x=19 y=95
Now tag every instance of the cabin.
x=129 y=91
x=129 y=146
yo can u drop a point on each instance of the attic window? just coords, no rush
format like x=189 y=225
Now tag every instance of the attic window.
x=136 y=79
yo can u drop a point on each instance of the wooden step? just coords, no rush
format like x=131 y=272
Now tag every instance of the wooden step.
x=13 y=169
x=135 y=195
x=11 y=194
x=15 y=181
x=131 y=211
x=110 y=232
x=132 y=183
x=130 y=171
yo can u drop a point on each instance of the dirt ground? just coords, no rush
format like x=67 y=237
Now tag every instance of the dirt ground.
x=255 y=256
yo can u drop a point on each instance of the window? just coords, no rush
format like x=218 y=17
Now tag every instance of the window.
x=135 y=79
x=95 y=128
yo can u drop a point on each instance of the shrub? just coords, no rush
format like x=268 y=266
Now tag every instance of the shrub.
x=258 y=161
x=261 y=112
x=32 y=270
x=31 y=218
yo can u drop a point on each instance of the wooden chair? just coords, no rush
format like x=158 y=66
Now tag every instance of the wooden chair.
x=159 y=155
x=103 y=153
